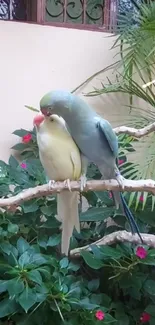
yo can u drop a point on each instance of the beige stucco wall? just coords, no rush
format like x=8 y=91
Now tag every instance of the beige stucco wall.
x=35 y=59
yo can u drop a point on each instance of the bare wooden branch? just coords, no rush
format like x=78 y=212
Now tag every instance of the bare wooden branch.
x=95 y=185
x=137 y=133
x=120 y=236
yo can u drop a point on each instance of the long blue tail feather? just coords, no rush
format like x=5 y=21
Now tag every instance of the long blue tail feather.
x=130 y=217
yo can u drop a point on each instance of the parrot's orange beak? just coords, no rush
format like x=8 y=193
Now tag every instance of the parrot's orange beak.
x=38 y=119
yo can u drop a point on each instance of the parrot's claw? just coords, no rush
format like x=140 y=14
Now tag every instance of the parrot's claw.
x=120 y=179
x=68 y=184
x=83 y=180
x=51 y=184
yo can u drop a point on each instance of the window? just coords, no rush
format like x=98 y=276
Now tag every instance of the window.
x=13 y=10
x=84 y=14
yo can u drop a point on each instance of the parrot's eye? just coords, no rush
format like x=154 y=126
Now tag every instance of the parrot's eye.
x=51 y=119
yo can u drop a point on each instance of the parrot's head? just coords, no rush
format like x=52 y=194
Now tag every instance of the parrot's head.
x=48 y=123
x=56 y=102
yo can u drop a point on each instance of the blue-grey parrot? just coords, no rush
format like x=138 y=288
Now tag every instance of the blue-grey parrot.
x=95 y=138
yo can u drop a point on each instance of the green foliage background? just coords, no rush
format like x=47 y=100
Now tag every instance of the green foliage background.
x=39 y=286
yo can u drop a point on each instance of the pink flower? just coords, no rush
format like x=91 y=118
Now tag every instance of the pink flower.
x=23 y=165
x=120 y=161
x=141 y=252
x=141 y=199
x=26 y=138
x=100 y=315
x=145 y=318
x=110 y=195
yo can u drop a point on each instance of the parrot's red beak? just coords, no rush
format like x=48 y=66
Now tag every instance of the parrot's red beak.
x=38 y=119
x=45 y=111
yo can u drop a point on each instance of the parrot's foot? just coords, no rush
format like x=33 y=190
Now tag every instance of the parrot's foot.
x=120 y=179
x=68 y=184
x=51 y=184
x=83 y=180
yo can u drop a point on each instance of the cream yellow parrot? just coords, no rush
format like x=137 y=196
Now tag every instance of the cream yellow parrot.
x=60 y=158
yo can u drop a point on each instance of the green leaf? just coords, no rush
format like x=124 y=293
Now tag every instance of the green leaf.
x=93 y=285
x=13 y=162
x=86 y=304
x=13 y=228
x=27 y=299
x=152 y=321
x=24 y=259
x=150 y=310
x=42 y=241
x=47 y=210
x=104 y=197
x=51 y=223
x=12 y=259
x=91 y=260
x=15 y=286
x=110 y=252
x=7 y=307
x=97 y=214
x=35 y=276
x=4 y=285
x=73 y=266
x=22 y=245
x=20 y=146
x=7 y=248
x=64 y=263
x=4 y=190
x=121 y=317
x=110 y=320
x=20 y=132
x=106 y=300
x=54 y=240
x=151 y=252
x=149 y=287
x=30 y=207
x=45 y=270
x=37 y=259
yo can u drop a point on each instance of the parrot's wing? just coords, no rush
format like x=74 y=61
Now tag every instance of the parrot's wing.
x=106 y=129
x=75 y=162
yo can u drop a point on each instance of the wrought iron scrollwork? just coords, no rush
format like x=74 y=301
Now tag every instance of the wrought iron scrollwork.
x=75 y=11
x=13 y=9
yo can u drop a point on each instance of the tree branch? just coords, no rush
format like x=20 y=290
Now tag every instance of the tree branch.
x=118 y=237
x=95 y=185
x=137 y=133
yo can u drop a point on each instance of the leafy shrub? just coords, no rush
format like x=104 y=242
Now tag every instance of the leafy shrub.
x=110 y=284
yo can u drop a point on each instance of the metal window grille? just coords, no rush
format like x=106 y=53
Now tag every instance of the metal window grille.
x=84 y=14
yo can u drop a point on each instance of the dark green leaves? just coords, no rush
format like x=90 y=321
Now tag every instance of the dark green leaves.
x=149 y=287
x=93 y=285
x=22 y=245
x=35 y=276
x=97 y=214
x=90 y=259
x=15 y=286
x=54 y=240
x=8 y=307
x=27 y=299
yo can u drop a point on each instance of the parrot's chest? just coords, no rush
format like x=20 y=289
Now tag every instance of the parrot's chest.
x=49 y=155
x=55 y=158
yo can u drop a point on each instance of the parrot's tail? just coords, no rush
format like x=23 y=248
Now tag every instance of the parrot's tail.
x=67 y=210
x=120 y=201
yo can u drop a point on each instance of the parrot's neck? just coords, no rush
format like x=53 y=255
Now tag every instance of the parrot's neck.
x=75 y=114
